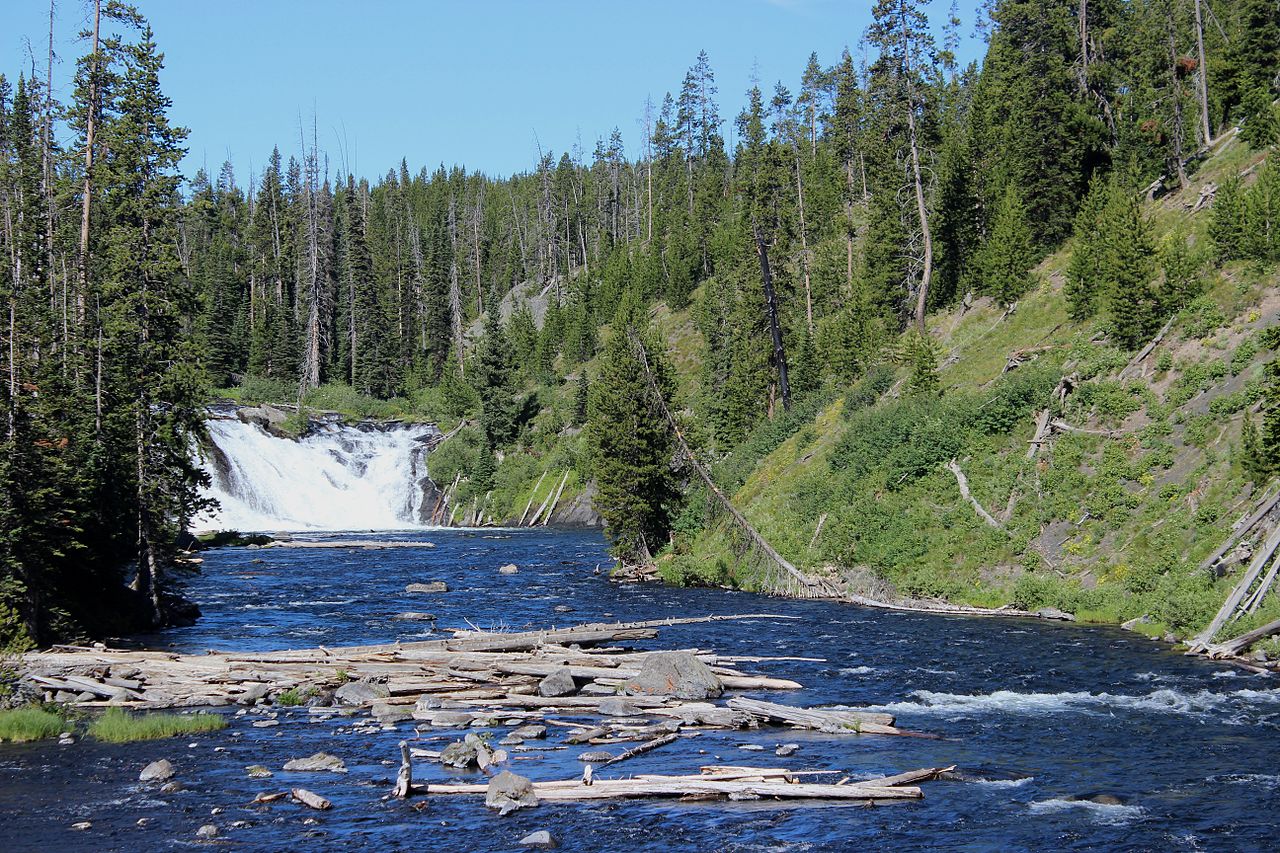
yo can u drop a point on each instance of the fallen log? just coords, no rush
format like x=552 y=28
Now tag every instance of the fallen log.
x=641 y=749
x=824 y=720
x=605 y=789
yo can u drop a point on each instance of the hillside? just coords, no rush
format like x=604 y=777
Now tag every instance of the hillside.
x=1108 y=521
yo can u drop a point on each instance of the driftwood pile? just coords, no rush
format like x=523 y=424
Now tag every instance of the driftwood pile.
x=469 y=679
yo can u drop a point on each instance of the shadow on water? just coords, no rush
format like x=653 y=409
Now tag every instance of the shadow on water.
x=1066 y=737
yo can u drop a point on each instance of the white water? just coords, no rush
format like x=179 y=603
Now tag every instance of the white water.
x=337 y=478
x=1166 y=700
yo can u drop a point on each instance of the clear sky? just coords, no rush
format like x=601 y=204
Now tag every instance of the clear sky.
x=477 y=83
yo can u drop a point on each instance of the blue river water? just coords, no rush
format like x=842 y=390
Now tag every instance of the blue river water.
x=1038 y=717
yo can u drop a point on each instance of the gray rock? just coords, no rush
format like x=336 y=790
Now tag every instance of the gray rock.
x=432 y=586
x=81 y=826
x=508 y=792
x=448 y=719
x=508 y=569
x=558 y=683
x=1055 y=613
x=257 y=771
x=530 y=732
x=595 y=688
x=596 y=756
x=171 y=787
x=616 y=707
x=207 y=831
x=677 y=674
x=360 y=693
x=563 y=608
x=751 y=747
x=787 y=749
x=1132 y=624
x=386 y=713
x=321 y=762
x=253 y=693
x=269 y=418
x=541 y=839
x=471 y=751
x=157 y=771
x=426 y=703
x=264 y=724
x=414 y=616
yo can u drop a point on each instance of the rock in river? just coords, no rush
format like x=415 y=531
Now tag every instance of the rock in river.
x=321 y=762
x=433 y=586
x=508 y=792
x=541 y=839
x=157 y=771
x=677 y=674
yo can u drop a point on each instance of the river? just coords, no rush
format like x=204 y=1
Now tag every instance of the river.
x=1034 y=714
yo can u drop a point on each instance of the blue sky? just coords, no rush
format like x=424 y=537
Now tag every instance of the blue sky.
x=478 y=83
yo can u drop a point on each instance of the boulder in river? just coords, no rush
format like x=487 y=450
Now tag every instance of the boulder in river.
x=207 y=831
x=360 y=693
x=509 y=569
x=678 y=674
x=321 y=762
x=257 y=771
x=596 y=756
x=429 y=587
x=558 y=683
x=269 y=418
x=253 y=692
x=508 y=792
x=540 y=839
x=1055 y=613
x=157 y=771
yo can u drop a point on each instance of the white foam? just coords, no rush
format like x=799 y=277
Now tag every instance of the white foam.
x=1165 y=700
x=857 y=670
x=1004 y=783
x=1107 y=813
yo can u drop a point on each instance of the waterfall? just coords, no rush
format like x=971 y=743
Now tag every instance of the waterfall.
x=337 y=477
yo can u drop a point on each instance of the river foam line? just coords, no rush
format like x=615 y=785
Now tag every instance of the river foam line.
x=1166 y=700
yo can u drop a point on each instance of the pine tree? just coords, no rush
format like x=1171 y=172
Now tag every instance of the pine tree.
x=1005 y=260
x=1133 y=304
x=630 y=442
x=1087 y=268
x=1226 y=223
x=1261 y=219
x=492 y=375
x=1261 y=125
x=1181 y=263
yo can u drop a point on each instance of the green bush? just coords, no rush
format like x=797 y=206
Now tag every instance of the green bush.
x=1201 y=317
x=256 y=389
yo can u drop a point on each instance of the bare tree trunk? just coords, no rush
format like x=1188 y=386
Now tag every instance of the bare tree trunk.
x=1084 y=46
x=311 y=357
x=475 y=232
x=775 y=330
x=804 y=248
x=455 y=293
x=91 y=122
x=1179 y=126
x=45 y=143
x=926 y=277
x=1202 y=83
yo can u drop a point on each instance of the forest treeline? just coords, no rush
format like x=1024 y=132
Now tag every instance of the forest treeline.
x=808 y=236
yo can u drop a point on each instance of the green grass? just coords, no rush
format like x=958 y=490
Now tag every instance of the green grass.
x=119 y=726
x=290 y=697
x=22 y=725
